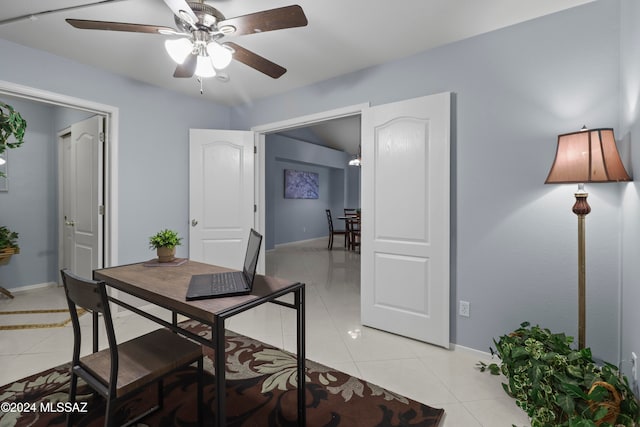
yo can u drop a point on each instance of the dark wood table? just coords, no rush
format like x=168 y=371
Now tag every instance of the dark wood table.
x=166 y=287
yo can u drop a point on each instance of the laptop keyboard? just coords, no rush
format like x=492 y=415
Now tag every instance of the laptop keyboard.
x=228 y=282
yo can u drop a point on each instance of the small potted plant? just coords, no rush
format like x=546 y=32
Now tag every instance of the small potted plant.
x=8 y=245
x=165 y=242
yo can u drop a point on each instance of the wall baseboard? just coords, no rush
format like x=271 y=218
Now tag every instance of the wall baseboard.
x=279 y=245
x=471 y=351
x=31 y=288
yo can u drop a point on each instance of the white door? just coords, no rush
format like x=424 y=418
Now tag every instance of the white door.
x=221 y=197
x=405 y=218
x=81 y=196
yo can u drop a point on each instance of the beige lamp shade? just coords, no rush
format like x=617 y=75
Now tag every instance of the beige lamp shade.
x=587 y=156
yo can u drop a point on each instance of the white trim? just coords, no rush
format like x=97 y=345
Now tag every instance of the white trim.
x=310 y=119
x=261 y=131
x=32 y=288
x=111 y=114
x=60 y=139
x=297 y=242
x=471 y=351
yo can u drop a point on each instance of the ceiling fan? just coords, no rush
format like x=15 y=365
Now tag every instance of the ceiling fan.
x=199 y=48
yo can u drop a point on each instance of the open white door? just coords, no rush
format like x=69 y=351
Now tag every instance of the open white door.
x=405 y=218
x=82 y=194
x=221 y=196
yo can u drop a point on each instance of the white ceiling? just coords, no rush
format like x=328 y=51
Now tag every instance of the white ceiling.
x=342 y=36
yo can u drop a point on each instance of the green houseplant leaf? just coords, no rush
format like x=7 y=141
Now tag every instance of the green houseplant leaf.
x=165 y=238
x=558 y=386
x=8 y=238
x=11 y=124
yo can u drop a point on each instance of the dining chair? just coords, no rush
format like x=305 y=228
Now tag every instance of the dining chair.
x=350 y=211
x=120 y=370
x=353 y=232
x=333 y=231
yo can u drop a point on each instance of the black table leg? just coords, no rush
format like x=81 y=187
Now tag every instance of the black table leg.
x=299 y=303
x=95 y=331
x=220 y=365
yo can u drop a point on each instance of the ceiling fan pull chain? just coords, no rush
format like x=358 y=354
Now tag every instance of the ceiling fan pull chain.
x=201 y=90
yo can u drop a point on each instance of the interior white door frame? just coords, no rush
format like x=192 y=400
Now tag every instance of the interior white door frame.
x=111 y=114
x=260 y=133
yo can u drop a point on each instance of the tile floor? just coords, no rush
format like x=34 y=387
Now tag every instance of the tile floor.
x=335 y=337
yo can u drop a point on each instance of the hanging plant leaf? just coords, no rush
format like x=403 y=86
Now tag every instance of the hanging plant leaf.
x=11 y=124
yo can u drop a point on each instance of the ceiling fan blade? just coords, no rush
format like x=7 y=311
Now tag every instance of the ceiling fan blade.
x=267 y=20
x=120 y=26
x=256 y=61
x=181 y=9
x=187 y=68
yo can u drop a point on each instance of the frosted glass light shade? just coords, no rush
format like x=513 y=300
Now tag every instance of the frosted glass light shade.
x=220 y=55
x=178 y=49
x=204 y=67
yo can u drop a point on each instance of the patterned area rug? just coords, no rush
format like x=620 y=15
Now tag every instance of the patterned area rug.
x=260 y=392
x=11 y=320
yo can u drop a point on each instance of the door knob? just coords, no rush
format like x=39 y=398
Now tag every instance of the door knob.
x=70 y=223
x=194 y=222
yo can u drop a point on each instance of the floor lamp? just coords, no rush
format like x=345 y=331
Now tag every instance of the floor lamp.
x=589 y=155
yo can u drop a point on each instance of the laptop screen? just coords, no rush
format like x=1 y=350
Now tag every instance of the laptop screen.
x=251 y=258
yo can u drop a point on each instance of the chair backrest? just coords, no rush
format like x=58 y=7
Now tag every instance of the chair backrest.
x=91 y=296
x=350 y=211
x=328 y=211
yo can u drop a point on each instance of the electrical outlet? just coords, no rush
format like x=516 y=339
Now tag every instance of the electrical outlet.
x=464 y=309
x=634 y=366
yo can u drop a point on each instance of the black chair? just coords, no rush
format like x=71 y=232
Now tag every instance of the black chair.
x=123 y=369
x=353 y=232
x=333 y=232
x=350 y=211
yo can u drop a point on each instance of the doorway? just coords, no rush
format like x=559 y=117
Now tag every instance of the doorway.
x=405 y=223
x=109 y=175
x=261 y=133
x=80 y=196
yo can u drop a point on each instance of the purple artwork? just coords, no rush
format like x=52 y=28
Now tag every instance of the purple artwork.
x=300 y=184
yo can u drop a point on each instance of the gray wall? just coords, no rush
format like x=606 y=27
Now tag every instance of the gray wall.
x=30 y=206
x=630 y=131
x=153 y=139
x=291 y=220
x=514 y=238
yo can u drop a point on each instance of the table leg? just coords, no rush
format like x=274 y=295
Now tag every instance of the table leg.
x=95 y=331
x=6 y=292
x=299 y=303
x=220 y=366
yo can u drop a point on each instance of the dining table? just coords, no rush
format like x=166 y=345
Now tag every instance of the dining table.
x=166 y=287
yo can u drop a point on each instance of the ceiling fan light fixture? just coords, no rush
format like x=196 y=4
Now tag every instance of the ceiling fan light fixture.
x=204 y=67
x=178 y=49
x=220 y=55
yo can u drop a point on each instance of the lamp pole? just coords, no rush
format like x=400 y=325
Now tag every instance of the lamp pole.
x=581 y=208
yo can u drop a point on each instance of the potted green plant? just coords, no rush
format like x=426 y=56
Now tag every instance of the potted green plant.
x=165 y=242
x=560 y=386
x=8 y=245
x=11 y=124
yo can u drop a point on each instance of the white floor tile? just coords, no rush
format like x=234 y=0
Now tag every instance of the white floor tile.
x=335 y=337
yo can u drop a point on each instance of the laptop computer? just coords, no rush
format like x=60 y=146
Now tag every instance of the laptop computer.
x=230 y=283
